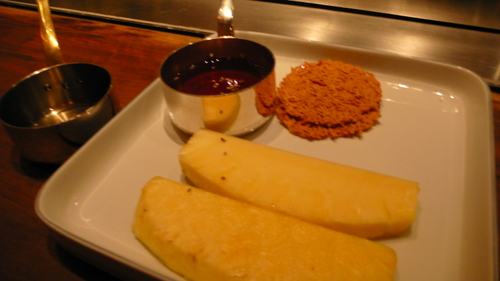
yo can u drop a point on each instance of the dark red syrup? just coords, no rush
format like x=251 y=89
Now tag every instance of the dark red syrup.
x=218 y=76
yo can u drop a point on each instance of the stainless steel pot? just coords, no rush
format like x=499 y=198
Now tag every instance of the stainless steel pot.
x=53 y=111
x=235 y=113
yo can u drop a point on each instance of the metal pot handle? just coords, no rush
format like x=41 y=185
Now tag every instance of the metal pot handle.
x=225 y=19
x=52 y=51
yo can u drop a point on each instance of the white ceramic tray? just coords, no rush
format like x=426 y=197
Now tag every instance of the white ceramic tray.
x=436 y=129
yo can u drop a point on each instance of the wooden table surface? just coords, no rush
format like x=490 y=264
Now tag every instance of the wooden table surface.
x=132 y=56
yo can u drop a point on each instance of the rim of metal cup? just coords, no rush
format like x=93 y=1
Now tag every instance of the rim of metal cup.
x=268 y=57
x=11 y=91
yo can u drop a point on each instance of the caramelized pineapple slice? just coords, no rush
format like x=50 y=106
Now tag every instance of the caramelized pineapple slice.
x=204 y=236
x=346 y=199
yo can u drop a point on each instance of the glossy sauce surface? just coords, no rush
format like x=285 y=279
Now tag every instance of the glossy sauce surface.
x=218 y=76
x=218 y=82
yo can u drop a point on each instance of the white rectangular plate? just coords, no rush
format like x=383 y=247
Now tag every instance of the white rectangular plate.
x=435 y=129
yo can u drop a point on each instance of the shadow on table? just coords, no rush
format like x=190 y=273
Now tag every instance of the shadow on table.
x=78 y=266
x=34 y=170
x=89 y=264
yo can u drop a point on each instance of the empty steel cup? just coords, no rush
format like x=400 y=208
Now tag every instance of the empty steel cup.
x=51 y=112
x=238 y=112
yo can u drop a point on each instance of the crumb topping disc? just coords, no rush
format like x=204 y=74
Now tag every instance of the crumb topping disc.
x=328 y=99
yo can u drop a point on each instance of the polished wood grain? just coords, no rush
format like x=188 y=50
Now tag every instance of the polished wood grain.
x=132 y=55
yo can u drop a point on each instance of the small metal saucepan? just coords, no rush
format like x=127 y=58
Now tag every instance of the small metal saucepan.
x=53 y=111
x=208 y=103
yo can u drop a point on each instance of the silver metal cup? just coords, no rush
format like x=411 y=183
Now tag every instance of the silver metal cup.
x=53 y=111
x=235 y=113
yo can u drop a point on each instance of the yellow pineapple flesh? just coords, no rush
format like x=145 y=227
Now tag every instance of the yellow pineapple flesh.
x=343 y=198
x=205 y=236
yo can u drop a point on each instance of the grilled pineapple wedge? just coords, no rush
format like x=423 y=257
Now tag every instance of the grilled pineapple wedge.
x=343 y=198
x=204 y=236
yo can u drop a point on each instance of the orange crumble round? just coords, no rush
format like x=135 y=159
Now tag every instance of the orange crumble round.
x=328 y=99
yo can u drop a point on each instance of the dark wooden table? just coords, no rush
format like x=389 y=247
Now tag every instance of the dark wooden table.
x=133 y=56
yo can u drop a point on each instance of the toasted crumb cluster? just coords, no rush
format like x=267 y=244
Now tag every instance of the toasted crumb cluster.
x=328 y=99
x=266 y=96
